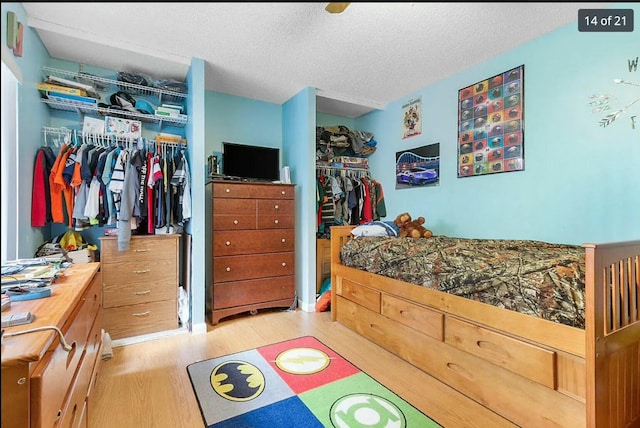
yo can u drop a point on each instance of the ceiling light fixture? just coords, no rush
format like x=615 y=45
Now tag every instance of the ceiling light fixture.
x=336 y=7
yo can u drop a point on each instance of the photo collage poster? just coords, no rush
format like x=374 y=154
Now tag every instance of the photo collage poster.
x=491 y=125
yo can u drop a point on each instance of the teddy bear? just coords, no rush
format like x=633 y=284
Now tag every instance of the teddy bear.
x=412 y=228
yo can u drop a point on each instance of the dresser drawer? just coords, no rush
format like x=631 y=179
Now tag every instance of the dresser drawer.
x=145 y=318
x=54 y=373
x=275 y=207
x=237 y=293
x=531 y=361
x=234 y=214
x=132 y=293
x=132 y=283
x=276 y=221
x=229 y=243
x=235 y=268
x=156 y=248
x=425 y=320
x=252 y=191
x=234 y=221
x=74 y=412
x=363 y=296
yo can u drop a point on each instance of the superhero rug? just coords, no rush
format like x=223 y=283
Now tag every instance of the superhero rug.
x=296 y=383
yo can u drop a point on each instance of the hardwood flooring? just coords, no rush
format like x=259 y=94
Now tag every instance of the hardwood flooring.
x=146 y=384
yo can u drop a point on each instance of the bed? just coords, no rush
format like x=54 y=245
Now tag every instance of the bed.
x=577 y=365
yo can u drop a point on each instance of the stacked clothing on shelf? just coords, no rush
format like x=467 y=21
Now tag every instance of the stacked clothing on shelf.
x=332 y=141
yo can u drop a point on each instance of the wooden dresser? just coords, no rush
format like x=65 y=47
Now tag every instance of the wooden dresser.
x=140 y=285
x=253 y=248
x=44 y=385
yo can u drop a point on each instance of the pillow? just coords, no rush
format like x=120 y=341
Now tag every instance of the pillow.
x=375 y=228
x=324 y=302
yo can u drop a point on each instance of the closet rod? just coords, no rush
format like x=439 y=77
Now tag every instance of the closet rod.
x=342 y=168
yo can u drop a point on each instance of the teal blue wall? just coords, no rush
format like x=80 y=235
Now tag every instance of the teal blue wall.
x=324 y=119
x=581 y=181
x=29 y=131
x=299 y=144
x=241 y=120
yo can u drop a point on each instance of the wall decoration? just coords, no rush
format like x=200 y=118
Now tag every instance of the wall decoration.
x=602 y=102
x=418 y=167
x=12 y=30
x=17 y=51
x=15 y=34
x=412 y=118
x=491 y=125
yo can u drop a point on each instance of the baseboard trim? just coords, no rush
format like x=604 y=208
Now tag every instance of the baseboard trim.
x=306 y=307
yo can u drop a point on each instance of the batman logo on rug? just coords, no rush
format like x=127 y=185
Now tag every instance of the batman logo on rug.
x=237 y=380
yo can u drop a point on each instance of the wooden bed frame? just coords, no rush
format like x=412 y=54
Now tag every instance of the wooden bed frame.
x=528 y=371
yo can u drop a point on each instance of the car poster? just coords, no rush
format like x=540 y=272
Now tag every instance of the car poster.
x=412 y=118
x=418 y=167
x=491 y=125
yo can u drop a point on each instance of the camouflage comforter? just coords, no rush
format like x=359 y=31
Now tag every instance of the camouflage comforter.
x=536 y=278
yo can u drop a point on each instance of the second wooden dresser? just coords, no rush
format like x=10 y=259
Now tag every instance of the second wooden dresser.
x=140 y=285
x=253 y=248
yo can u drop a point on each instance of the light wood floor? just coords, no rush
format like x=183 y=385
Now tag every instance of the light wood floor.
x=146 y=384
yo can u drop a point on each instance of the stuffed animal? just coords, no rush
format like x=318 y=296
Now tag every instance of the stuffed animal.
x=412 y=228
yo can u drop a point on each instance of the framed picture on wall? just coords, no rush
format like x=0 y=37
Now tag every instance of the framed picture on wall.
x=418 y=167
x=491 y=125
x=412 y=118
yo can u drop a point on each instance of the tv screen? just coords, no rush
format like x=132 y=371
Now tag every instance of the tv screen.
x=253 y=162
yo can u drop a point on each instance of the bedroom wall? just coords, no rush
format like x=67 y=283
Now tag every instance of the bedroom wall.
x=29 y=132
x=581 y=181
x=241 y=120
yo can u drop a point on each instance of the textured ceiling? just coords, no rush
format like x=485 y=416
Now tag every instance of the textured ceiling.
x=360 y=60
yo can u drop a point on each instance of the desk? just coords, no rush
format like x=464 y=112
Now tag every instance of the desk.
x=44 y=385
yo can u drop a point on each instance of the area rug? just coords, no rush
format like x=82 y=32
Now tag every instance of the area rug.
x=296 y=383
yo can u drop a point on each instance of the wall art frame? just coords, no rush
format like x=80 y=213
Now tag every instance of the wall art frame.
x=491 y=125
x=418 y=167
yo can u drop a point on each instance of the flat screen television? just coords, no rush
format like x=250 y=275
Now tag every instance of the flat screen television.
x=250 y=162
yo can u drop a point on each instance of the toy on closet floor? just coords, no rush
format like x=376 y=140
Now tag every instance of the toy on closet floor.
x=412 y=228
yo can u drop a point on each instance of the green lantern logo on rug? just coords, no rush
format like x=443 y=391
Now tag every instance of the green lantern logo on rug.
x=237 y=380
x=366 y=410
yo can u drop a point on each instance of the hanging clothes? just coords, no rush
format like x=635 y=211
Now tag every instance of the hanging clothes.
x=40 y=195
x=86 y=184
x=181 y=181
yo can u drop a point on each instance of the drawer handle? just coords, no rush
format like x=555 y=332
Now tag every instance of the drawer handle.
x=277 y=207
x=456 y=368
x=140 y=293
x=284 y=264
x=141 y=314
x=276 y=221
x=141 y=250
x=284 y=240
x=235 y=221
x=227 y=243
x=228 y=269
x=227 y=190
x=492 y=347
x=283 y=192
x=142 y=271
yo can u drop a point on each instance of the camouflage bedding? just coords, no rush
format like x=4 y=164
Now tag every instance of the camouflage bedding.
x=535 y=278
